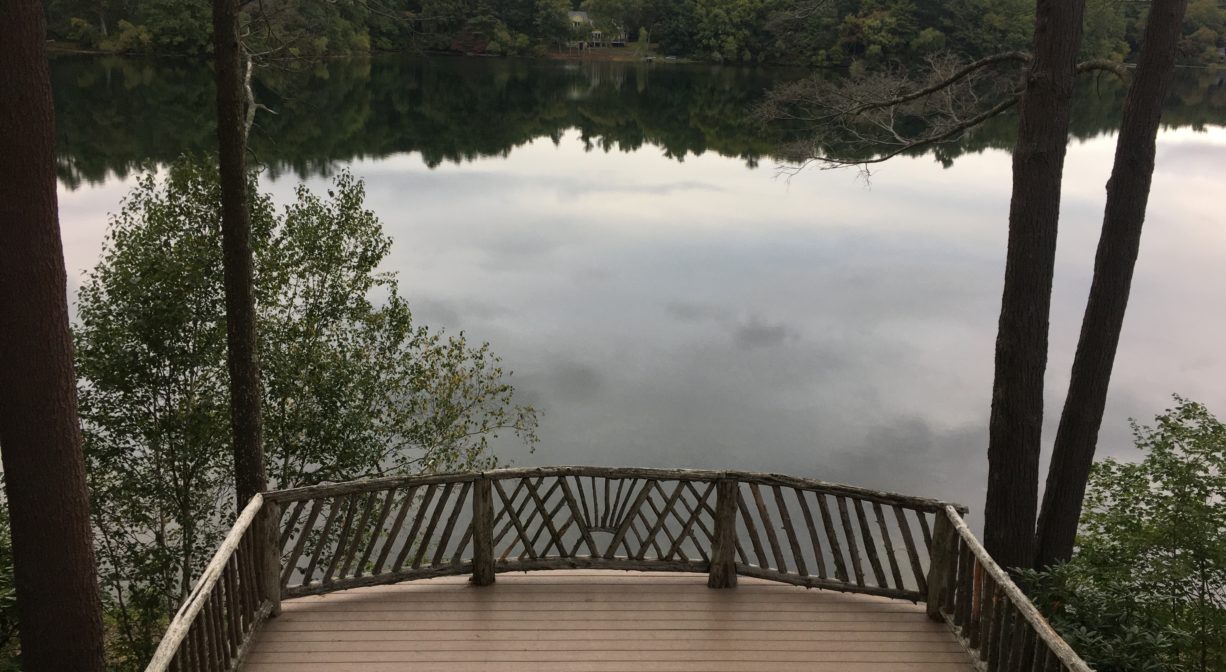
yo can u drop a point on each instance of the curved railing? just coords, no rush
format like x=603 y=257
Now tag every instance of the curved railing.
x=323 y=538
x=232 y=597
x=794 y=530
x=989 y=613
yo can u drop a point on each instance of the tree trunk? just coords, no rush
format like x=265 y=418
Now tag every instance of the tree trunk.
x=236 y=256
x=57 y=590
x=1127 y=197
x=1016 y=422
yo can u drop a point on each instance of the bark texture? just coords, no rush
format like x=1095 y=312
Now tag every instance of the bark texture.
x=57 y=589
x=1118 y=244
x=243 y=364
x=1015 y=428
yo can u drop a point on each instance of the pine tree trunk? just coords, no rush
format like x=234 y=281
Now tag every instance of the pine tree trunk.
x=236 y=256
x=1127 y=198
x=1016 y=422
x=57 y=590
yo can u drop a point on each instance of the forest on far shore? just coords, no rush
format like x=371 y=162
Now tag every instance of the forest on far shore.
x=798 y=32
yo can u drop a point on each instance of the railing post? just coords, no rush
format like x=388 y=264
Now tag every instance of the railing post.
x=943 y=548
x=270 y=557
x=723 y=545
x=483 y=531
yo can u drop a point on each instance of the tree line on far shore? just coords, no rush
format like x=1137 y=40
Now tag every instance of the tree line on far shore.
x=802 y=32
x=442 y=109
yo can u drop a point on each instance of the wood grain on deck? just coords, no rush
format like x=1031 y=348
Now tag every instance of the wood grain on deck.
x=580 y=621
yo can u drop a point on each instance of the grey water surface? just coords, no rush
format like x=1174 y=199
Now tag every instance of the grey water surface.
x=663 y=292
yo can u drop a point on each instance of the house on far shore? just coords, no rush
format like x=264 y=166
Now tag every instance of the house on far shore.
x=578 y=20
x=582 y=24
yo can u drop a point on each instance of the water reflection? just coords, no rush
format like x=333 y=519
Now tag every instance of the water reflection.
x=702 y=312
x=116 y=114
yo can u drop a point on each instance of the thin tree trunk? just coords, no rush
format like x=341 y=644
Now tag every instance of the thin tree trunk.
x=236 y=256
x=53 y=554
x=1127 y=198
x=1016 y=423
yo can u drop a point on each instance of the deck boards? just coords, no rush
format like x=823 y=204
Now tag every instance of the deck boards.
x=600 y=621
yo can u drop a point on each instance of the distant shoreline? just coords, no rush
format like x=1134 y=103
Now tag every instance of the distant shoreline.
x=605 y=54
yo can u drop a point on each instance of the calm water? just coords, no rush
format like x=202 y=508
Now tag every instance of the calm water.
x=624 y=239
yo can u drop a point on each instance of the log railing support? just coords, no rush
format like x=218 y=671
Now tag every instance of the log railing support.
x=944 y=551
x=723 y=546
x=483 y=532
x=269 y=544
x=988 y=612
x=246 y=580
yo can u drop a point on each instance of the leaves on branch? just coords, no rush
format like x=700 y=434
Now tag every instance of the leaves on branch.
x=352 y=386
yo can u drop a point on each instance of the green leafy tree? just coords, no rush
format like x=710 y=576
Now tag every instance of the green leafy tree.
x=880 y=28
x=352 y=386
x=978 y=28
x=175 y=26
x=929 y=40
x=674 y=31
x=1204 y=31
x=551 y=22
x=1146 y=589
x=731 y=30
x=1104 y=32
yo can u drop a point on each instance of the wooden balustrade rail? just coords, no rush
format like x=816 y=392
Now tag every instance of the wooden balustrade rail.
x=987 y=610
x=235 y=593
x=323 y=538
x=795 y=530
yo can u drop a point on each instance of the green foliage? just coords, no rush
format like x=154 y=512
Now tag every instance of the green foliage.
x=550 y=21
x=1204 y=31
x=1104 y=31
x=130 y=38
x=730 y=30
x=81 y=31
x=176 y=26
x=929 y=40
x=616 y=16
x=454 y=110
x=1146 y=589
x=880 y=27
x=1104 y=621
x=10 y=649
x=674 y=29
x=810 y=32
x=978 y=28
x=352 y=387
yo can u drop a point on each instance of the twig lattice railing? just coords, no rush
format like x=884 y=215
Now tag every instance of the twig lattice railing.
x=233 y=596
x=787 y=529
x=331 y=537
x=994 y=618
x=830 y=536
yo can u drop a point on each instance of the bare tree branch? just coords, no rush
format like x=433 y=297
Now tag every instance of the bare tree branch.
x=1118 y=69
x=873 y=118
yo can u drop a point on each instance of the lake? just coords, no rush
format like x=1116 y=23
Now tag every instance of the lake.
x=663 y=291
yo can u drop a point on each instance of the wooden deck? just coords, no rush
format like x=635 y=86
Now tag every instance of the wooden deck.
x=601 y=621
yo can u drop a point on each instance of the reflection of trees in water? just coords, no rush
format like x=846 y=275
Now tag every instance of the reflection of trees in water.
x=115 y=114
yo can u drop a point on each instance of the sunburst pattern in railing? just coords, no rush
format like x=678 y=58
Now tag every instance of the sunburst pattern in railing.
x=787 y=529
x=330 y=537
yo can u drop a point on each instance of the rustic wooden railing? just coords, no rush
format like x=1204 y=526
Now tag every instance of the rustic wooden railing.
x=330 y=537
x=787 y=529
x=235 y=593
x=987 y=610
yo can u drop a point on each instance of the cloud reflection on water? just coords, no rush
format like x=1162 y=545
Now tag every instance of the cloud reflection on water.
x=704 y=314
